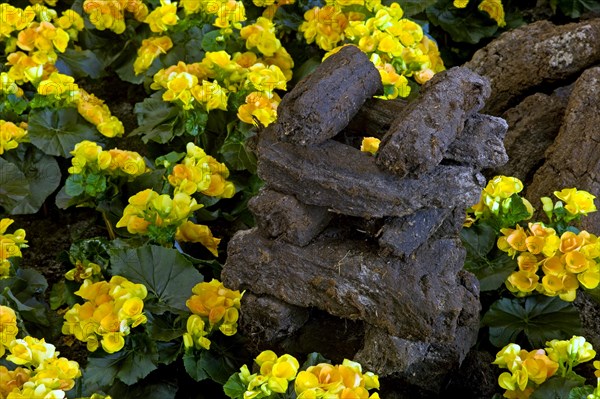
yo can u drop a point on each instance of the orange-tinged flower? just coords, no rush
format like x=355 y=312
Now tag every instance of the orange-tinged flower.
x=576 y=262
x=570 y=241
x=521 y=282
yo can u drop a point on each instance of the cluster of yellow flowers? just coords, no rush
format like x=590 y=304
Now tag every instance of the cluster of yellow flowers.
x=226 y=13
x=43 y=375
x=321 y=381
x=89 y=157
x=11 y=135
x=199 y=172
x=40 y=39
x=213 y=306
x=165 y=218
x=207 y=84
x=341 y=381
x=496 y=197
x=395 y=45
x=110 y=14
x=273 y=377
x=110 y=311
x=63 y=88
x=566 y=261
x=493 y=8
x=528 y=370
x=10 y=246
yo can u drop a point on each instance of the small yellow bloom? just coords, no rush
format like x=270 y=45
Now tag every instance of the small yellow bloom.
x=370 y=145
x=494 y=9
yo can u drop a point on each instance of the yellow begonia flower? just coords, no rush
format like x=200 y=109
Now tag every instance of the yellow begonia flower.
x=111 y=309
x=191 y=232
x=521 y=282
x=261 y=106
x=578 y=202
x=10 y=136
x=217 y=305
x=370 y=145
x=164 y=16
x=261 y=35
x=494 y=9
x=150 y=49
x=460 y=3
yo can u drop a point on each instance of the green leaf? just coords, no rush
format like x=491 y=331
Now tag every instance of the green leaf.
x=150 y=388
x=140 y=361
x=169 y=159
x=234 y=387
x=41 y=173
x=463 y=24
x=156 y=120
x=516 y=212
x=574 y=8
x=168 y=352
x=56 y=132
x=581 y=392
x=539 y=317
x=14 y=187
x=479 y=241
x=61 y=294
x=194 y=366
x=74 y=185
x=555 y=388
x=234 y=151
x=79 y=64
x=213 y=41
x=412 y=7
x=168 y=275
x=129 y=365
x=166 y=327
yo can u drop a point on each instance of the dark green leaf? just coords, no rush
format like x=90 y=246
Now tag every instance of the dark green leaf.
x=478 y=240
x=574 y=8
x=150 y=388
x=41 y=172
x=168 y=352
x=79 y=64
x=14 y=187
x=213 y=41
x=169 y=159
x=555 y=388
x=581 y=392
x=74 y=185
x=140 y=361
x=234 y=387
x=193 y=366
x=168 y=275
x=156 y=120
x=539 y=317
x=236 y=154
x=57 y=131
x=61 y=295
x=412 y=7
x=166 y=327
x=463 y=24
